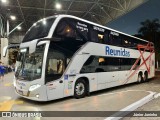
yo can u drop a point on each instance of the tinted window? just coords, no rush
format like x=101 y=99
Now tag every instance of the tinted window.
x=93 y=36
x=97 y=34
x=114 y=38
x=126 y=64
x=128 y=42
x=39 y=30
x=106 y=37
x=108 y=64
x=100 y=64
x=70 y=28
x=90 y=65
x=132 y=42
x=70 y=36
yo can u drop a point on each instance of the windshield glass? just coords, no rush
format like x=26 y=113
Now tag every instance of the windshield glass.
x=29 y=66
x=39 y=30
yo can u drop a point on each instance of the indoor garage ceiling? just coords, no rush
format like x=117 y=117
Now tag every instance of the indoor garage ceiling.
x=99 y=11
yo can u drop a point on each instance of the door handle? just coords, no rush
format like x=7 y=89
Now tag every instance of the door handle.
x=61 y=81
x=112 y=76
x=50 y=84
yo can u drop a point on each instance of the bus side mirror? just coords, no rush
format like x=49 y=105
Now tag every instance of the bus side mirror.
x=32 y=47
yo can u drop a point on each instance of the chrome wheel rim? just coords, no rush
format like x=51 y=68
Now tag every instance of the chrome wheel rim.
x=145 y=77
x=80 y=88
x=139 y=78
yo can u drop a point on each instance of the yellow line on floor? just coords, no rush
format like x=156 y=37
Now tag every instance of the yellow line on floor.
x=7 y=105
x=8 y=84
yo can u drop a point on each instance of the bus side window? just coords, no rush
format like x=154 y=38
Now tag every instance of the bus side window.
x=127 y=63
x=65 y=30
x=129 y=42
x=101 y=65
x=115 y=39
x=100 y=38
x=89 y=65
x=93 y=36
x=97 y=36
x=106 y=37
x=113 y=64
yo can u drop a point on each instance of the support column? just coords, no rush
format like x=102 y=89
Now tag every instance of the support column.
x=4 y=42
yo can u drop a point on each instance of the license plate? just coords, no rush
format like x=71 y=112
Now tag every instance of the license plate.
x=20 y=92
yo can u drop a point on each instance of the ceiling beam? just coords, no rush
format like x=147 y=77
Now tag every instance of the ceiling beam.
x=47 y=9
x=120 y=4
x=69 y=6
x=105 y=11
x=21 y=12
x=128 y=4
x=111 y=7
x=44 y=13
x=90 y=8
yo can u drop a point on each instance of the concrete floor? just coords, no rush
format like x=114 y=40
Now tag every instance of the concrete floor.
x=113 y=99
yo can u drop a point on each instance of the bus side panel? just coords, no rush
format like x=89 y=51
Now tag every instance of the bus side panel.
x=148 y=64
x=71 y=75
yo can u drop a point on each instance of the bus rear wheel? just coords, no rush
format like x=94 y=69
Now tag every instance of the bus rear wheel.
x=145 y=77
x=80 y=89
x=140 y=78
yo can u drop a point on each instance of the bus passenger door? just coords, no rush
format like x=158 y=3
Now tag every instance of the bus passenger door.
x=54 y=71
x=55 y=89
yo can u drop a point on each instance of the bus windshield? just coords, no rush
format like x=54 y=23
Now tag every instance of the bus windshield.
x=39 y=29
x=29 y=66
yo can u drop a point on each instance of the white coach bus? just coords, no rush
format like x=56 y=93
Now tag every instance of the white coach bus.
x=64 y=56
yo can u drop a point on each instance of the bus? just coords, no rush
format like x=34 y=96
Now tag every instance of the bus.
x=64 y=55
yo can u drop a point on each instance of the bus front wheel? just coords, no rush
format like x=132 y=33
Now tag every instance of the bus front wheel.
x=80 y=89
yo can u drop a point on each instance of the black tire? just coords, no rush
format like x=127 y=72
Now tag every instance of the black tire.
x=145 y=79
x=140 y=78
x=80 y=89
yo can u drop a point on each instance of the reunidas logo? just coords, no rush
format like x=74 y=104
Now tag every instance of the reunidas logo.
x=115 y=52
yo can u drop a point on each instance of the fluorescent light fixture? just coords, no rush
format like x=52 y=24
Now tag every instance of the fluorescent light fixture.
x=13 y=17
x=4 y=1
x=19 y=27
x=23 y=50
x=34 y=24
x=44 y=21
x=58 y=6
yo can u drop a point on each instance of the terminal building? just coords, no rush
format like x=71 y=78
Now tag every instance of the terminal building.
x=59 y=60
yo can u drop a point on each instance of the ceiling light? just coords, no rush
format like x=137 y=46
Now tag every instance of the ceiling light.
x=44 y=21
x=19 y=27
x=58 y=6
x=34 y=24
x=4 y=1
x=13 y=17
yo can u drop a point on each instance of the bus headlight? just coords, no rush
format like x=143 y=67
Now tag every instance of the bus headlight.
x=14 y=83
x=33 y=87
